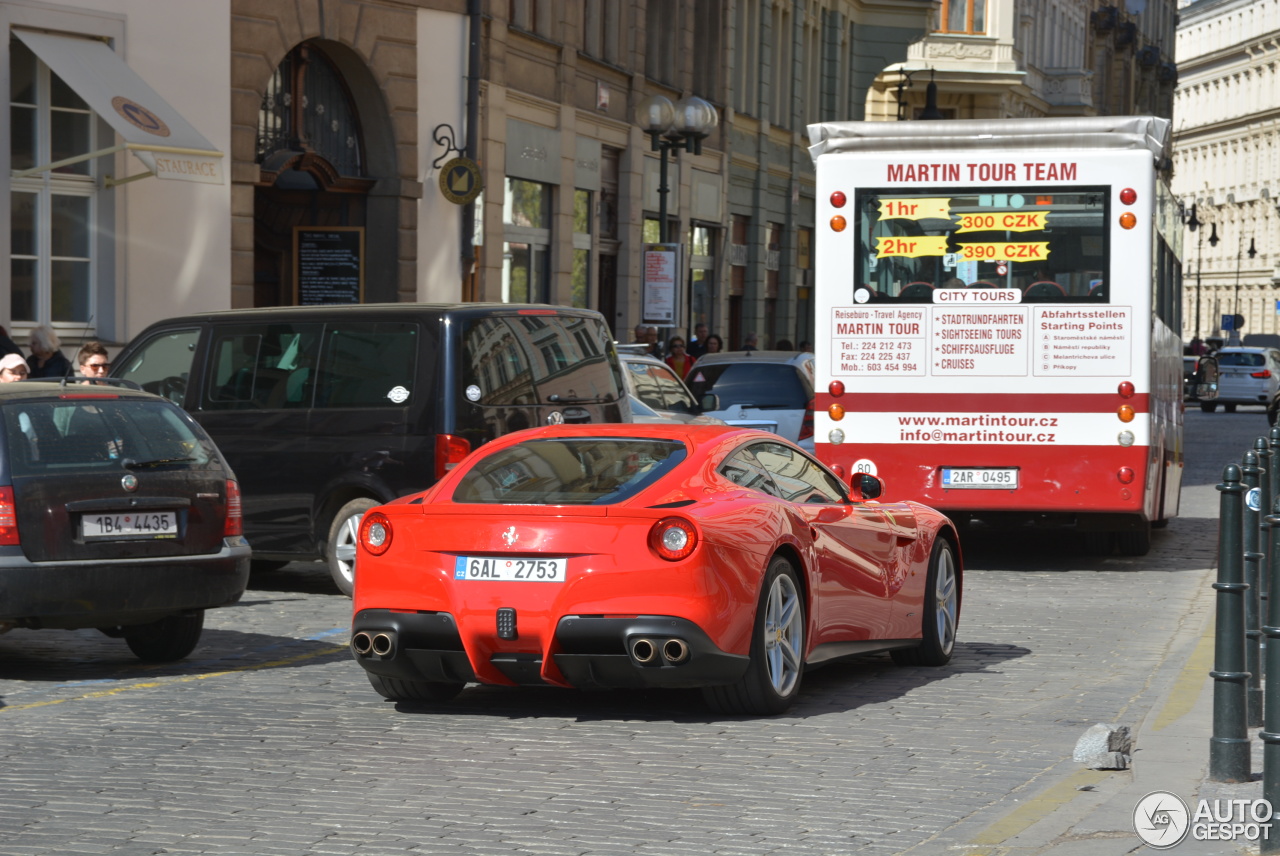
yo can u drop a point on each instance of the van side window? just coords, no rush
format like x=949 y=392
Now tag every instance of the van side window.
x=270 y=367
x=162 y=365
x=368 y=364
x=526 y=360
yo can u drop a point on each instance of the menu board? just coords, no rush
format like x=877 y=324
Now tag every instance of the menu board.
x=328 y=265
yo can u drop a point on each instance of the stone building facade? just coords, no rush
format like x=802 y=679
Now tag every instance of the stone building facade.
x=332 y=130
x=1227 y=164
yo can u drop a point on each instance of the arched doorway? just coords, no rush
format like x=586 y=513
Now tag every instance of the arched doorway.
x=313 y=169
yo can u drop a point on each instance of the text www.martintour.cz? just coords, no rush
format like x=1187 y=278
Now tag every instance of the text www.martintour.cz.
x=924 y=429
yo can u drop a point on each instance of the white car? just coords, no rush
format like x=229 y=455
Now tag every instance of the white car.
x=1245 y=376
x=657 y=395
x=755 y=387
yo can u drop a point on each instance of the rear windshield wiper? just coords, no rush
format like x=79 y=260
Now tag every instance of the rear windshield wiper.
x=569 y=399
x=130 y=463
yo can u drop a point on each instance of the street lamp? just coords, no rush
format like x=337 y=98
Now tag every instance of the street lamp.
x=1194 y=224
x=671 y=127
x=1253 y=251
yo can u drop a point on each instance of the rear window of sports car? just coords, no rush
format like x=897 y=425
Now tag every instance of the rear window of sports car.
x=575 y=471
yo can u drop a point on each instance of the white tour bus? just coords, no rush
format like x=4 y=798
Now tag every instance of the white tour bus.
x=998 y=318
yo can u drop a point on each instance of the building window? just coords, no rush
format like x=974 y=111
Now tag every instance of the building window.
x=746 y=63
x=600 y=28
x=702 y=272
x=781 y=71
x=964 y=16
x=662 y=37
x=52 y=213
x=580 y=277
x=307 y=107
x=707 y=34
x=526 y=258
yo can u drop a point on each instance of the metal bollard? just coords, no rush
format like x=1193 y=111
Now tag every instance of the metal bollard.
x=1270 y=734
x=1229 y=749
x=1252 y=560
x=1266 y=496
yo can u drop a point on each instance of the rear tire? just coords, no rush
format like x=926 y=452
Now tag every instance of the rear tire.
x=772 y=679
x=1136 y=542
x=941 y=612
x=1230 y=408
x=1208 y=406
x=402 y=690
x=344 y=532
x=166 y=640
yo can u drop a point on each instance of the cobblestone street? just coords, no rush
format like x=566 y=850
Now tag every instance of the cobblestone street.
x=269 y=740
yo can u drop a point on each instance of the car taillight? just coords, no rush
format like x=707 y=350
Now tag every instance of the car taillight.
x=450 y=451
x=8 y=518
x=1263 y=373
x=234 y=524
x=673 y=538
x=375 y=533
x=806 y=427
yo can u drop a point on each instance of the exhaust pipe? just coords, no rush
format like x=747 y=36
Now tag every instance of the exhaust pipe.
x=644 y=651
x=675 y=651
x=382 y=644
x=362 y=643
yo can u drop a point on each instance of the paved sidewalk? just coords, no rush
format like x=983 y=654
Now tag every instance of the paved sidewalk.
x=1075 y=811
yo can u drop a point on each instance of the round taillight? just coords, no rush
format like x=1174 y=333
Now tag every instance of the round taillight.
x=1128 y=196
x=836 y=388
x=1125 y=389
x=1128 y=220
x=838 y=223
x=1125 y=438
x=375 y=533
x=1125 y=474
x=673 y=538
x=836 y=411
x=839 y=471
x=1125 y=412
x=838 y=199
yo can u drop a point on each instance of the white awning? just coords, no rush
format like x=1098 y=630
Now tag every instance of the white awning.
x=151 y=128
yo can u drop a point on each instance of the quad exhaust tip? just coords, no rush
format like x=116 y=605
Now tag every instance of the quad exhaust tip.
x=647 y=651
x=365 y=643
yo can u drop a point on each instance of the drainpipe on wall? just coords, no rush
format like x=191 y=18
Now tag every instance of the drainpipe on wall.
x=469 y=283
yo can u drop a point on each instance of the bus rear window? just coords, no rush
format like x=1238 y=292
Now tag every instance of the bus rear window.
x=1048 y=244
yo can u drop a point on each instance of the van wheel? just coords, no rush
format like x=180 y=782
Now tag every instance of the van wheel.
x=1208 y=406
x=343 y=534
x=171 y=638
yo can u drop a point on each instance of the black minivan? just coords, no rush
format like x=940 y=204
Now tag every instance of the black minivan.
x=325 y=411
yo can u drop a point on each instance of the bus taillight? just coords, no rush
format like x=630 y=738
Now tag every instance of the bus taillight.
x=1125 y=475
x=837 y=199
x=838 y=223
x=1125 y=389
x=1128 y=196
x=836 y=388
x=1125 y=413
x=836 y=411
x=1128 y=220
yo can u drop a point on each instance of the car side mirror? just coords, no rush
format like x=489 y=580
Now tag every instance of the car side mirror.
x=710 y=401
x=865 y=486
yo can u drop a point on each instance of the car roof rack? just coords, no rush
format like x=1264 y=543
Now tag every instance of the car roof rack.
x=101 y=381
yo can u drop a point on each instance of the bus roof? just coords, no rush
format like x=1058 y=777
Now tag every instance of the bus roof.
x=1082 y=132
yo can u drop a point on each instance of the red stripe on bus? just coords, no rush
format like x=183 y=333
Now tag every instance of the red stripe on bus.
x=985 y=402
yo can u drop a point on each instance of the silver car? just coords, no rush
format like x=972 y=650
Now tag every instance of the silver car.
x=1245 y=376
x=759 y=386
x=657 y=395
